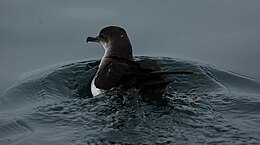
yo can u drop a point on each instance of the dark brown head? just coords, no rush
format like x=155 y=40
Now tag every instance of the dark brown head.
x=115 y=41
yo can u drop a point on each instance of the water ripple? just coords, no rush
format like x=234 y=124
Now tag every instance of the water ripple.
x=56 y=107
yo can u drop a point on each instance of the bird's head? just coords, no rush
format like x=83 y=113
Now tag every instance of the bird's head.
x=115 y=40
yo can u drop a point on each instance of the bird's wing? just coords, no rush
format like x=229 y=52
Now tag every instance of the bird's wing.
x=112 y=74
x=121 y=71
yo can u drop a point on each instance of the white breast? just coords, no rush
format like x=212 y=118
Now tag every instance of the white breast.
x=94 y=90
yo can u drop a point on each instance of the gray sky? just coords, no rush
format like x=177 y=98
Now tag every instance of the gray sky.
x=222 y=33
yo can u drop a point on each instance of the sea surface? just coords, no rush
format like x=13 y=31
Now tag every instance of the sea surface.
x=54 y=106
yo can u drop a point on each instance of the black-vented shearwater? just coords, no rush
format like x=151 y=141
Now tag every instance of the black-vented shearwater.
x=118 y=69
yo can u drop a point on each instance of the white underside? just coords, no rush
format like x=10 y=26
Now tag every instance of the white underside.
x=94 y=90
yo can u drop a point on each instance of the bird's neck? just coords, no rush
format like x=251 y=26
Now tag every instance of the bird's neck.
x=120 y=51
x=117 y=51
x=123 y=50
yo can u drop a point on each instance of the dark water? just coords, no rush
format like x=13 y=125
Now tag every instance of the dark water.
x=55 y=106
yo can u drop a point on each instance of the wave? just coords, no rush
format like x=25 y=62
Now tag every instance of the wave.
x=55 y=106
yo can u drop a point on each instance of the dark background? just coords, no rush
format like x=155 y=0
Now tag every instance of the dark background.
x=37 y=33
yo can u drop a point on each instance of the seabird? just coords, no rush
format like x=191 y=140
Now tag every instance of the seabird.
x=118 y=69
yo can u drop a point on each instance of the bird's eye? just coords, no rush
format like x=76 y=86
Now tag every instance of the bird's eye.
x=102 y=36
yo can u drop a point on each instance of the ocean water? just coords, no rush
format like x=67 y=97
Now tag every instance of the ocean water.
x=54 y=105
